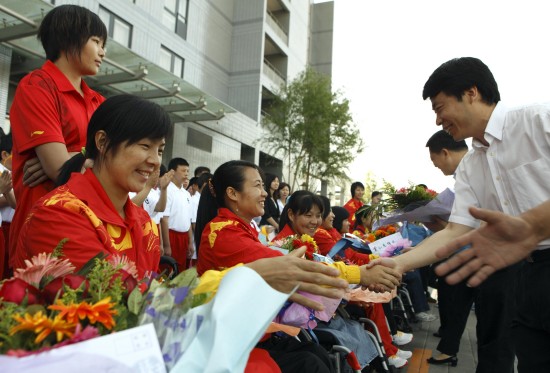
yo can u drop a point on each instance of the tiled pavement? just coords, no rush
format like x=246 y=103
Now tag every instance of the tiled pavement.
x=424 y=343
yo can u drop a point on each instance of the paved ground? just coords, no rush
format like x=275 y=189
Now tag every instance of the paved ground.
x=424 y=343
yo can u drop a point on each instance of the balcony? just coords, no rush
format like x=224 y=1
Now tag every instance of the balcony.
x=274 y=75
x=277 y=27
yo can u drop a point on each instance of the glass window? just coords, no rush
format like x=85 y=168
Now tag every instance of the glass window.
x=175 y=16
x=117 y=29
x=165 y=59
x=122 y=32
x=172 y=62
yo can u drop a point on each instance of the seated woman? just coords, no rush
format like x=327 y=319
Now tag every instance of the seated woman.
x=125 y=138
x=301 y=216
x=233 y=197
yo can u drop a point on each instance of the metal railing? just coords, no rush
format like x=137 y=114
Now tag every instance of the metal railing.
x=272 y=73
x=274 y=23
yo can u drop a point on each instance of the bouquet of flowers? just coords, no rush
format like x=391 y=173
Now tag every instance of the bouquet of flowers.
x=46 y=304
x=401 y=198
x=379 y=233
x=398 y=200
x=296 y=241
x=295 y=314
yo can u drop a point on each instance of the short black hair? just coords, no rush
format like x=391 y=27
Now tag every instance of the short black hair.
x=67 y=28
x=175 y=162
x=300 y=202
x=354 y=186
x=201 y=170
x=194 y=181
x=340 y=214
x=460 y=74
x=443 y=140
x=204 y=178
x=126 y=119
x=375 y=193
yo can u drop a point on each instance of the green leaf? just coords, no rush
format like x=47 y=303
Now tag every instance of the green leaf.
x=135 y=301
x=185 y=278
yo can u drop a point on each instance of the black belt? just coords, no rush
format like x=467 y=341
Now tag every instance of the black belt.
x=541 y=255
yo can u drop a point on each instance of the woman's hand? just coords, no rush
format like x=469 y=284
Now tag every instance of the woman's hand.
x=33 y=173
x=284 y=273
x=381 y=275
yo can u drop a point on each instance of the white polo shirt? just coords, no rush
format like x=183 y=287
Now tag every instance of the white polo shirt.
x=195 y=198
x=178 y=208
x=150 y=204
x=512 y=174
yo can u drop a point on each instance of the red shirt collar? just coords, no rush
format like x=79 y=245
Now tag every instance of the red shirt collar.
x=90 y=191
x=62 y=82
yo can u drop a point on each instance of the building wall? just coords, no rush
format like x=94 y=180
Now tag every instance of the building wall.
x=322 y=30
x=5 y=60
x=223 y=53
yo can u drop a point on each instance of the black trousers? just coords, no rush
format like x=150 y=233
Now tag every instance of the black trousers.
x=495 y=307
x=293 y=356
x=531 y=328
x=455 y=303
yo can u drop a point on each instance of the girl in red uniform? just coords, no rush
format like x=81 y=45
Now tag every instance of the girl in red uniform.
x=53 y=105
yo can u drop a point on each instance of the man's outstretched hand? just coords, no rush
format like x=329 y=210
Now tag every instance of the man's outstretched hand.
x=502 y=241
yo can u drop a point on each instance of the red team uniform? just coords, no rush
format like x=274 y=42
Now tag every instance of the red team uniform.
x=46 y=108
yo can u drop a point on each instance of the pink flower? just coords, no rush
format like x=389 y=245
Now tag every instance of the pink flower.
x=122 y=262
x=42 y=265
x=277 y=243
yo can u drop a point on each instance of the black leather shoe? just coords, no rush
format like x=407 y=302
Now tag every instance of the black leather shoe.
x=451 y=360
x=437 y=334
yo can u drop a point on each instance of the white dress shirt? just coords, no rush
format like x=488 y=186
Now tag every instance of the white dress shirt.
x=512 y=174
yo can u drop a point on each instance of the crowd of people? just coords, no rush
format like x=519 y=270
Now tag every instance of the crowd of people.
x=88 y=169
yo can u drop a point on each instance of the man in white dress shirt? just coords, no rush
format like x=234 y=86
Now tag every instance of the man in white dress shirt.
x=507 y=170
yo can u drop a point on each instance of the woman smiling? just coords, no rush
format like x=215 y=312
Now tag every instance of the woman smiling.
x=125 y=139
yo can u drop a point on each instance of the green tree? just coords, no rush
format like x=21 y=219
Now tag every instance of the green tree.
x=313 y=128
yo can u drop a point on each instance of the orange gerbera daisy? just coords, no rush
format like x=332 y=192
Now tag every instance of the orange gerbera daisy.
x=101 y=311
x=380 y=233
x=43 y=326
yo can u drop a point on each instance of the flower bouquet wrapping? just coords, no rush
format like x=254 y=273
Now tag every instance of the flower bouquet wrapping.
x=61 y=318
x=386 y=241
x=295 y=314
x=195 y=339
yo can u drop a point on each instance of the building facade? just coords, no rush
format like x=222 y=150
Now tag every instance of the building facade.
x=211 y=63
